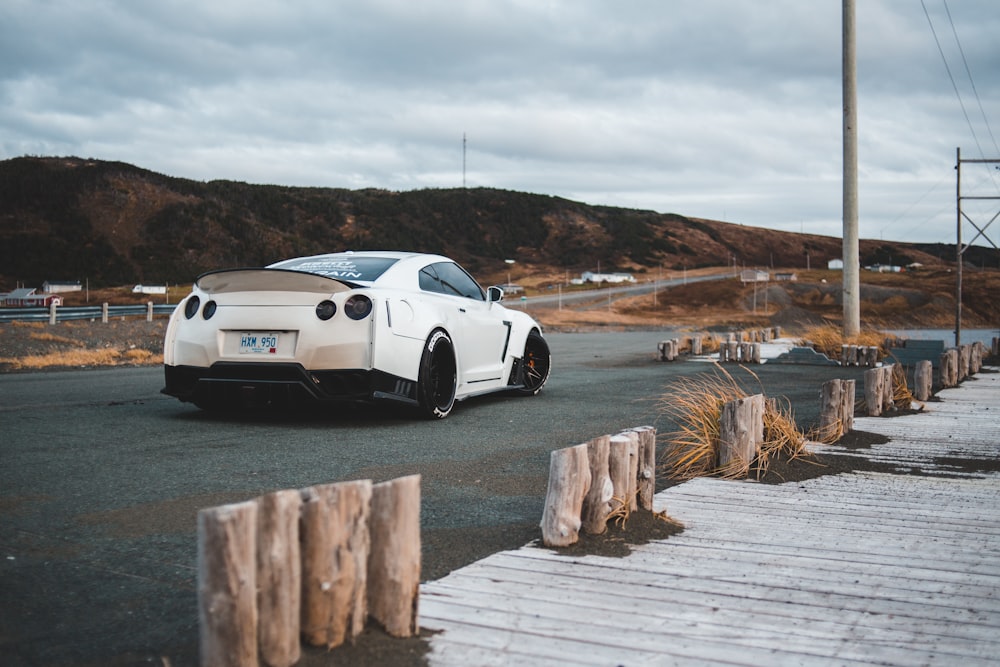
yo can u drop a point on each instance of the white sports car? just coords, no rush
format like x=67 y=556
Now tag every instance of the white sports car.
x=349 y=326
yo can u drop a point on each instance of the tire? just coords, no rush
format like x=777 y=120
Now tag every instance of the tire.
x=536 y=363
x=438 y=376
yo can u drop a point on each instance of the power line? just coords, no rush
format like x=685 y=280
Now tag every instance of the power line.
x=952 y=78
x=968 y=72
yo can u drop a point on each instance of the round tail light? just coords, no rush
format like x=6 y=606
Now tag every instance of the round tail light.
x=358 y=307
x=191 y=306
x=326 y=309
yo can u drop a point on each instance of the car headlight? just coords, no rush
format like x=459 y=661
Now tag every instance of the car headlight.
x=191 y=307
x=326 y=309
x=358 y=307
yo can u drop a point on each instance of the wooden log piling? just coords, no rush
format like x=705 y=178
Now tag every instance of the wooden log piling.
x=741 y=431
x=623 y=467
x=227 y=585
x=335 y=545
x=668 y=349
x=948 y=368
x=279 y=578
x=569 y=481
x=597 y=501
x=696 y=345
x=923 y=374
x=836 y=409
x=878 y=390
x=393 y=586
x=646 y=471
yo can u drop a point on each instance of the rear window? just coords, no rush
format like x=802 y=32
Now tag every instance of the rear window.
x=340 y=267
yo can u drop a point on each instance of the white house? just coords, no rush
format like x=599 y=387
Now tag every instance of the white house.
x=754 y=276
x=25 y=297
x=50 y=286
x=835 y=265
x=592 y=277
x=149 y=289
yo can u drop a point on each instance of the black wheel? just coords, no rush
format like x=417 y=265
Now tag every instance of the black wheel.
x=438 y=376
x=535 y=364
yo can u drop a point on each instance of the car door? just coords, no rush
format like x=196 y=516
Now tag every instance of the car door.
x=478 y=328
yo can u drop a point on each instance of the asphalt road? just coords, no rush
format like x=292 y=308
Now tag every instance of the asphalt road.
x=101 y=478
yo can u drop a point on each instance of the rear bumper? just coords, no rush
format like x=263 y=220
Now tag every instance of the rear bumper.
x=281 y=384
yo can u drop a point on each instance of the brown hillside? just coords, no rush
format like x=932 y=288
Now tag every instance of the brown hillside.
x=110 y=223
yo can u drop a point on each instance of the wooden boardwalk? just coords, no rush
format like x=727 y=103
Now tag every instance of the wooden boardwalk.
x=897 y=568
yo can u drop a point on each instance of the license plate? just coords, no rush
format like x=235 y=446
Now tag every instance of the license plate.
x=255 y=342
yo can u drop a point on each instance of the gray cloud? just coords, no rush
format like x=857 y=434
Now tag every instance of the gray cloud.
x=717 y=109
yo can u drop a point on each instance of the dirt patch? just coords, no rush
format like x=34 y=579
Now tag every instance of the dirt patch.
x=33 y=346
x=641 y=527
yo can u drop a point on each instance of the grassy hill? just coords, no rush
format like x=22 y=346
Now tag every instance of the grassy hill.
x=112 y=223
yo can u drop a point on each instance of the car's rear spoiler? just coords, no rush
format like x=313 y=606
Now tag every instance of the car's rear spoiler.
x=273 y=280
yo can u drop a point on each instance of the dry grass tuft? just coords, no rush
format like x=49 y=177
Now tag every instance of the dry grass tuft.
x=902 y=397
x=103 y=357
x=695 y=403
x=782 y=436
x=828 y=339
x=52 y=338
x=621 y=512
x=669 y=520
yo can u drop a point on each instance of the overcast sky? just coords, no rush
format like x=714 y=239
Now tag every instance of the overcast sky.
x=729 y=110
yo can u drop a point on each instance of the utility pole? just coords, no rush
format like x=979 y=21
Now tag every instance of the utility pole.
x=961 y=247
x=852 y=260
x=463 y=160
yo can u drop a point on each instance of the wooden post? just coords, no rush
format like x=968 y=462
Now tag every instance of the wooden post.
x=755 y=353
x=227 y=585
x=848 y=389
x=741 y=430
x=696 y=345
x=732 y=354
x=104 y=312
x=646 y=477
x=52 y=313
x=949 y=367
x=831 y=406
x=335 y=546
x=978 y=352
x=623 y=467
x=888 y=388
x=279 y=578
x=745 y=352
x=569 y=481
x=597 y=501
x=394 y=564
x=995 y=346
x=922 y=378
x=963 y=362
x=873 y=392
x=149 y=311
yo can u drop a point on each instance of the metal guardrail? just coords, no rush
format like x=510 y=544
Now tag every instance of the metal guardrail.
x=64 y=313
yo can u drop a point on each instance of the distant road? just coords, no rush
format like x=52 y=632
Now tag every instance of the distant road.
x=634 y=289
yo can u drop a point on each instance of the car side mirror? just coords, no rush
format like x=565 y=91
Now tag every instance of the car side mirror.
x=494 y=294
